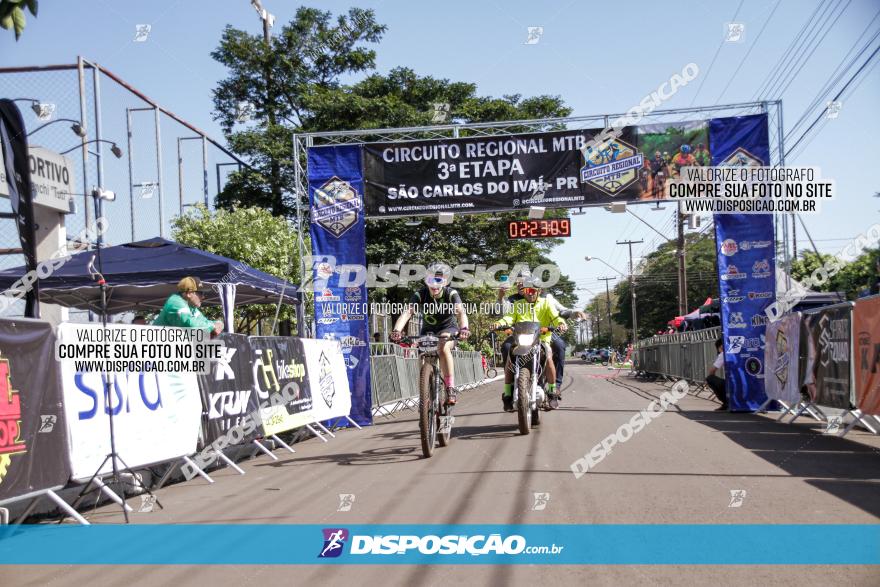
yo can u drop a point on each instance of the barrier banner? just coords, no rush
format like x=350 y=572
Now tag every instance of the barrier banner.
x=781 y=356
x=328 y=379
x=866 y=347
x=228 y=392
x=561 y=169
x=156 y=416
x=825 y=351
x=279 y=364
x=746 y=264
x=338 y=239
x=33 y=445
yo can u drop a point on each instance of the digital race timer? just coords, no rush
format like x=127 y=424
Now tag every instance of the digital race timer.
x=555 y=227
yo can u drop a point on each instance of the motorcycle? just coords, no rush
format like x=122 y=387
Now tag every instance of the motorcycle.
x=527 y=358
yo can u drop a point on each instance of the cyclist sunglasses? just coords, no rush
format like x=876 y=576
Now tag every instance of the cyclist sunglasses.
x=530 y=291
x=435 y=281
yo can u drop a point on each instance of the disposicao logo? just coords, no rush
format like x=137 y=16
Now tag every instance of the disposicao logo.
x=334 y=542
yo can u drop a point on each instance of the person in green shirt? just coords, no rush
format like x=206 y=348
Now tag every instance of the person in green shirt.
x=532 y=308
x=182 y=309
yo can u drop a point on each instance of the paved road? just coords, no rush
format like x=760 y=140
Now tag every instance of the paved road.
x=679 y=469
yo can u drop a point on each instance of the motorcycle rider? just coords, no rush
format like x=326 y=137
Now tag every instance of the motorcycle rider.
x=532 y=308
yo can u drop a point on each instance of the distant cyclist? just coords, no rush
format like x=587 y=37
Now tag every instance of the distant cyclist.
x=532 y=308
x=442 y=315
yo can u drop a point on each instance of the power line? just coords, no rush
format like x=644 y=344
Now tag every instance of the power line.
x=749 y=52
x=821 y=114
x=839 y=72
x=816 y=46
x=782 y=60
x=717 y=51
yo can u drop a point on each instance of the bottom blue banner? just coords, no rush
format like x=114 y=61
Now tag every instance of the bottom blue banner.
x=442 y=544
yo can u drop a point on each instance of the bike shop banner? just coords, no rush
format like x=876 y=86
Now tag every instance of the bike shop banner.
x=33 y=444
x=866 y=347
x=826 y=341
x=328 y=379
x=562 y=169
x=227 y=391
x=338 y=238
x=746 y=264
x=279 y=363
x=781 y=359
x=156 y=416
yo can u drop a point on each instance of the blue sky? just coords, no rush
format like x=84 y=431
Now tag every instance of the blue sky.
x=600 y=57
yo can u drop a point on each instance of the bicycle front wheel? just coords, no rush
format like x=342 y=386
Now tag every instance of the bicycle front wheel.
x=427 y=410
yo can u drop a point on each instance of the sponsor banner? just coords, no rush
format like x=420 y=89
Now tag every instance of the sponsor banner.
x=33 y=440
x=746 y=264
x=228 y=392
x=476 y=544
x=781 y=357
x=279 y=362
x=826 y=342
x=556 y=169
x=338 y=232
x=328 y=379
x=866 y=348
x=156 y=415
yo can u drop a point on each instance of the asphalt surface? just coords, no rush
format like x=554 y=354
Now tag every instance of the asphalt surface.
x=679 y=469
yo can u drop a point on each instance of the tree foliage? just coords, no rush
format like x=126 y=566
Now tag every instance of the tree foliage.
x=12 y=15
x=852 y=279
x=657 y=284
x=268 y=243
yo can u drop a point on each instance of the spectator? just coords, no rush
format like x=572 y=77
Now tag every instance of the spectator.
x=182 y=308
x=716 y=382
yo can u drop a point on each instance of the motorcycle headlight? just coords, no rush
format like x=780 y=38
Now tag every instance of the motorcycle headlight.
x=525 y=339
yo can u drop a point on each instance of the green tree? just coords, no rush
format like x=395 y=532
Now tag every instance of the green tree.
x=12 y=15
x=852 y=278
x=268 y=244
x=657 y=284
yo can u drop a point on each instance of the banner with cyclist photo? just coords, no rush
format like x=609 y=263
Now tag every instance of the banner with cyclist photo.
x=826 y=341
x=279 y=364
x=553 y=169
x=339 y=238
x=746 y=265
x=33 y=438
x=866 y=347
x=227 y=391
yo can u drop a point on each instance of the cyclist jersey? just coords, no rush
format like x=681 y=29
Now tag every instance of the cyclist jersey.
x=437 y=313
x=542 y=311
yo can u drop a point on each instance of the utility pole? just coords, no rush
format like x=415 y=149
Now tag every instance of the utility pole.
x=632 y=288
x=682 y=273
x=275 y=170
x=608 y=307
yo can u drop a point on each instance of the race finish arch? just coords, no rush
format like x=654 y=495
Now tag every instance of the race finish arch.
x=349 y=176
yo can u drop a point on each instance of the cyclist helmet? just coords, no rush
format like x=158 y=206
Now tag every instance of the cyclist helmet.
x=521 y=278
x=437 y=275
x=685 y=148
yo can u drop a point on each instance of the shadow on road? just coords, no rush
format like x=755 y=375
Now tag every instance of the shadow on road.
x=844 y=468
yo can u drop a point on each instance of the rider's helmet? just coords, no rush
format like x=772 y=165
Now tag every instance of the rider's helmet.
x=437 y=276
x=685 y=148
x=521 y=278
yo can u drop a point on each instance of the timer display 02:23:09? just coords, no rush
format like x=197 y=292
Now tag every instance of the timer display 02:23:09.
x=553 y=228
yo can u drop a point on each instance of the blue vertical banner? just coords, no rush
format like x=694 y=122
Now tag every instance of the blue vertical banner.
x=745 y=247
x=337 y=227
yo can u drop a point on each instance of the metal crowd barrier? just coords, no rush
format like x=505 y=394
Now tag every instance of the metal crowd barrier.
x=394 y=375
x=684 y=355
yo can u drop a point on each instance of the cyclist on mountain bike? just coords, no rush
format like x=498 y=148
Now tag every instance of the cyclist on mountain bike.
x=532 y=308
x=440 y=307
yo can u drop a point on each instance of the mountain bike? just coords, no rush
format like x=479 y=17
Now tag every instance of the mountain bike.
x=435 y=416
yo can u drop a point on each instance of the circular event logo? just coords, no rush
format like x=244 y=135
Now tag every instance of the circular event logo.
x=729 y=248
x=753 y=366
